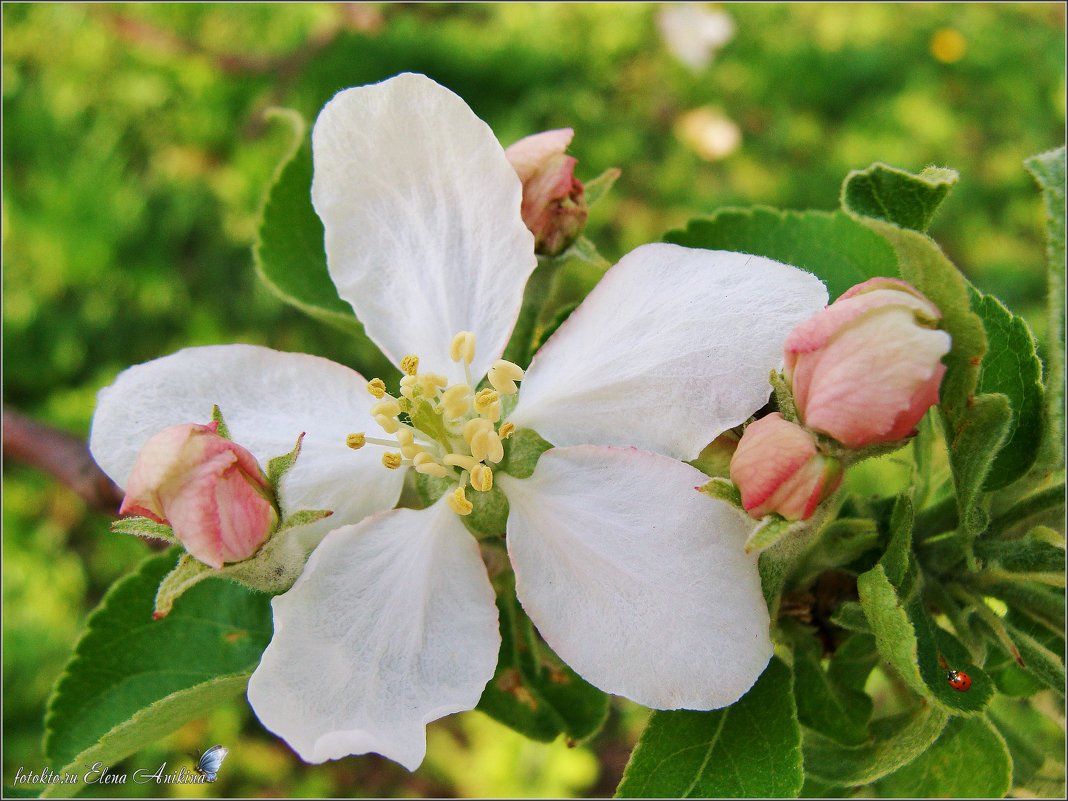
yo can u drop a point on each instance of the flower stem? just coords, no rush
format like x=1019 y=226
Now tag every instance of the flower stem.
x=535 y=299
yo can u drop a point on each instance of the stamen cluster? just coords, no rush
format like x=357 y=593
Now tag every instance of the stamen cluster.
x=445 y=430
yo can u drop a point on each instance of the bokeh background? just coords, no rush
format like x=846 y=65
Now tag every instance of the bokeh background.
x=136 y=151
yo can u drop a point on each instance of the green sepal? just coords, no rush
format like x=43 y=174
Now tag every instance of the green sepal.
x=431 y=488
x=522 y=451
x=722 y=489
x=143 y=527
x=272 y=569
x=489 y=512
x=221 y=428
x=840 y=542
x=596 y=188
x=784 y=396
x=280 y=465
x=895 y=196
x=305 y=517
x=771 y=530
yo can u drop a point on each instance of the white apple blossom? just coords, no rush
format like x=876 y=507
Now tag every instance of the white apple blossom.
x=636 y=581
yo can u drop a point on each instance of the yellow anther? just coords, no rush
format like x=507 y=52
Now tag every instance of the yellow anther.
x=424 y=463
x=456 y=400
x=389 y=424
x=407 y=386
x=355 y=441
x=388 y=408
x=405 y=436
x=463 y=347
x=410 y=364
x=482 y=478
x=433 y=380
x=391 y=460
x=462 y=461
x=377 y=387
x=472 y=427
x=486 y=446
x=488 y=404
x=503 y=375
x=506 y=431
x=458 y=502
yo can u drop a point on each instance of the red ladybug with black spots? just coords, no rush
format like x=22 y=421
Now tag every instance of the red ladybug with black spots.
x=959 y=680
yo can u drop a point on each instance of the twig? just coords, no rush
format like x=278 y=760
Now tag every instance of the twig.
x=63 y=456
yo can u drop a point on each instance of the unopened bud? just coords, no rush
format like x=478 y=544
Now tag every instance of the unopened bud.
x=866 y=369
x=208 y=489
x=554 y=202
x=777 y=468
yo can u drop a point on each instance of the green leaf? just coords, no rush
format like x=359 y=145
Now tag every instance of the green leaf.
x=532 y=691
x=752 y=748
x=969 y=760
x=909 y=640
x=1048 y=171
x=974 y=437
x=1012 y=368
x=850 y=616
x=853 y=661
x=839 y=713
x=1031 y=553
x=840 y=542
x=895 y=741
x=831 y=245
x=1033 y=739
x=289 y=252
x=895 y=196
x=133 y=679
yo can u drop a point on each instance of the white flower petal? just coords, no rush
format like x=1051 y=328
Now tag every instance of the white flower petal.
x=669 y=350
x=637 y=581
x=391 y=625
x=267 y=399
x=422 y=214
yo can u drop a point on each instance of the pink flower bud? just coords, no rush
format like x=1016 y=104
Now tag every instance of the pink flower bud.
x=209 y=490
x=554 y=203
x=866 y=369
x=778 y=468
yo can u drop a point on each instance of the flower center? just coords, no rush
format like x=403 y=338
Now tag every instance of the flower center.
x=445 y=430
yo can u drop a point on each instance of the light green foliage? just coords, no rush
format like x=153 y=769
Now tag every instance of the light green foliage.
x=751 y=748
x=968 y=760
x=825 y=704
x=839 y=250
x=1048 y=171
x=289 y=248
x=133 y=679
x=894 y=741
x=1011 y=367
x=895 y=196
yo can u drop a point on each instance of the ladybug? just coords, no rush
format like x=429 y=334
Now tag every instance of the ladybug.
x=959 y=680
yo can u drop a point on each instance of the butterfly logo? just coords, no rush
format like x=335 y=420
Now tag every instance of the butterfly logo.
x=210 y=761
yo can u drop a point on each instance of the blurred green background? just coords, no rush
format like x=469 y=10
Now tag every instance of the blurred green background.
x=136 y=152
